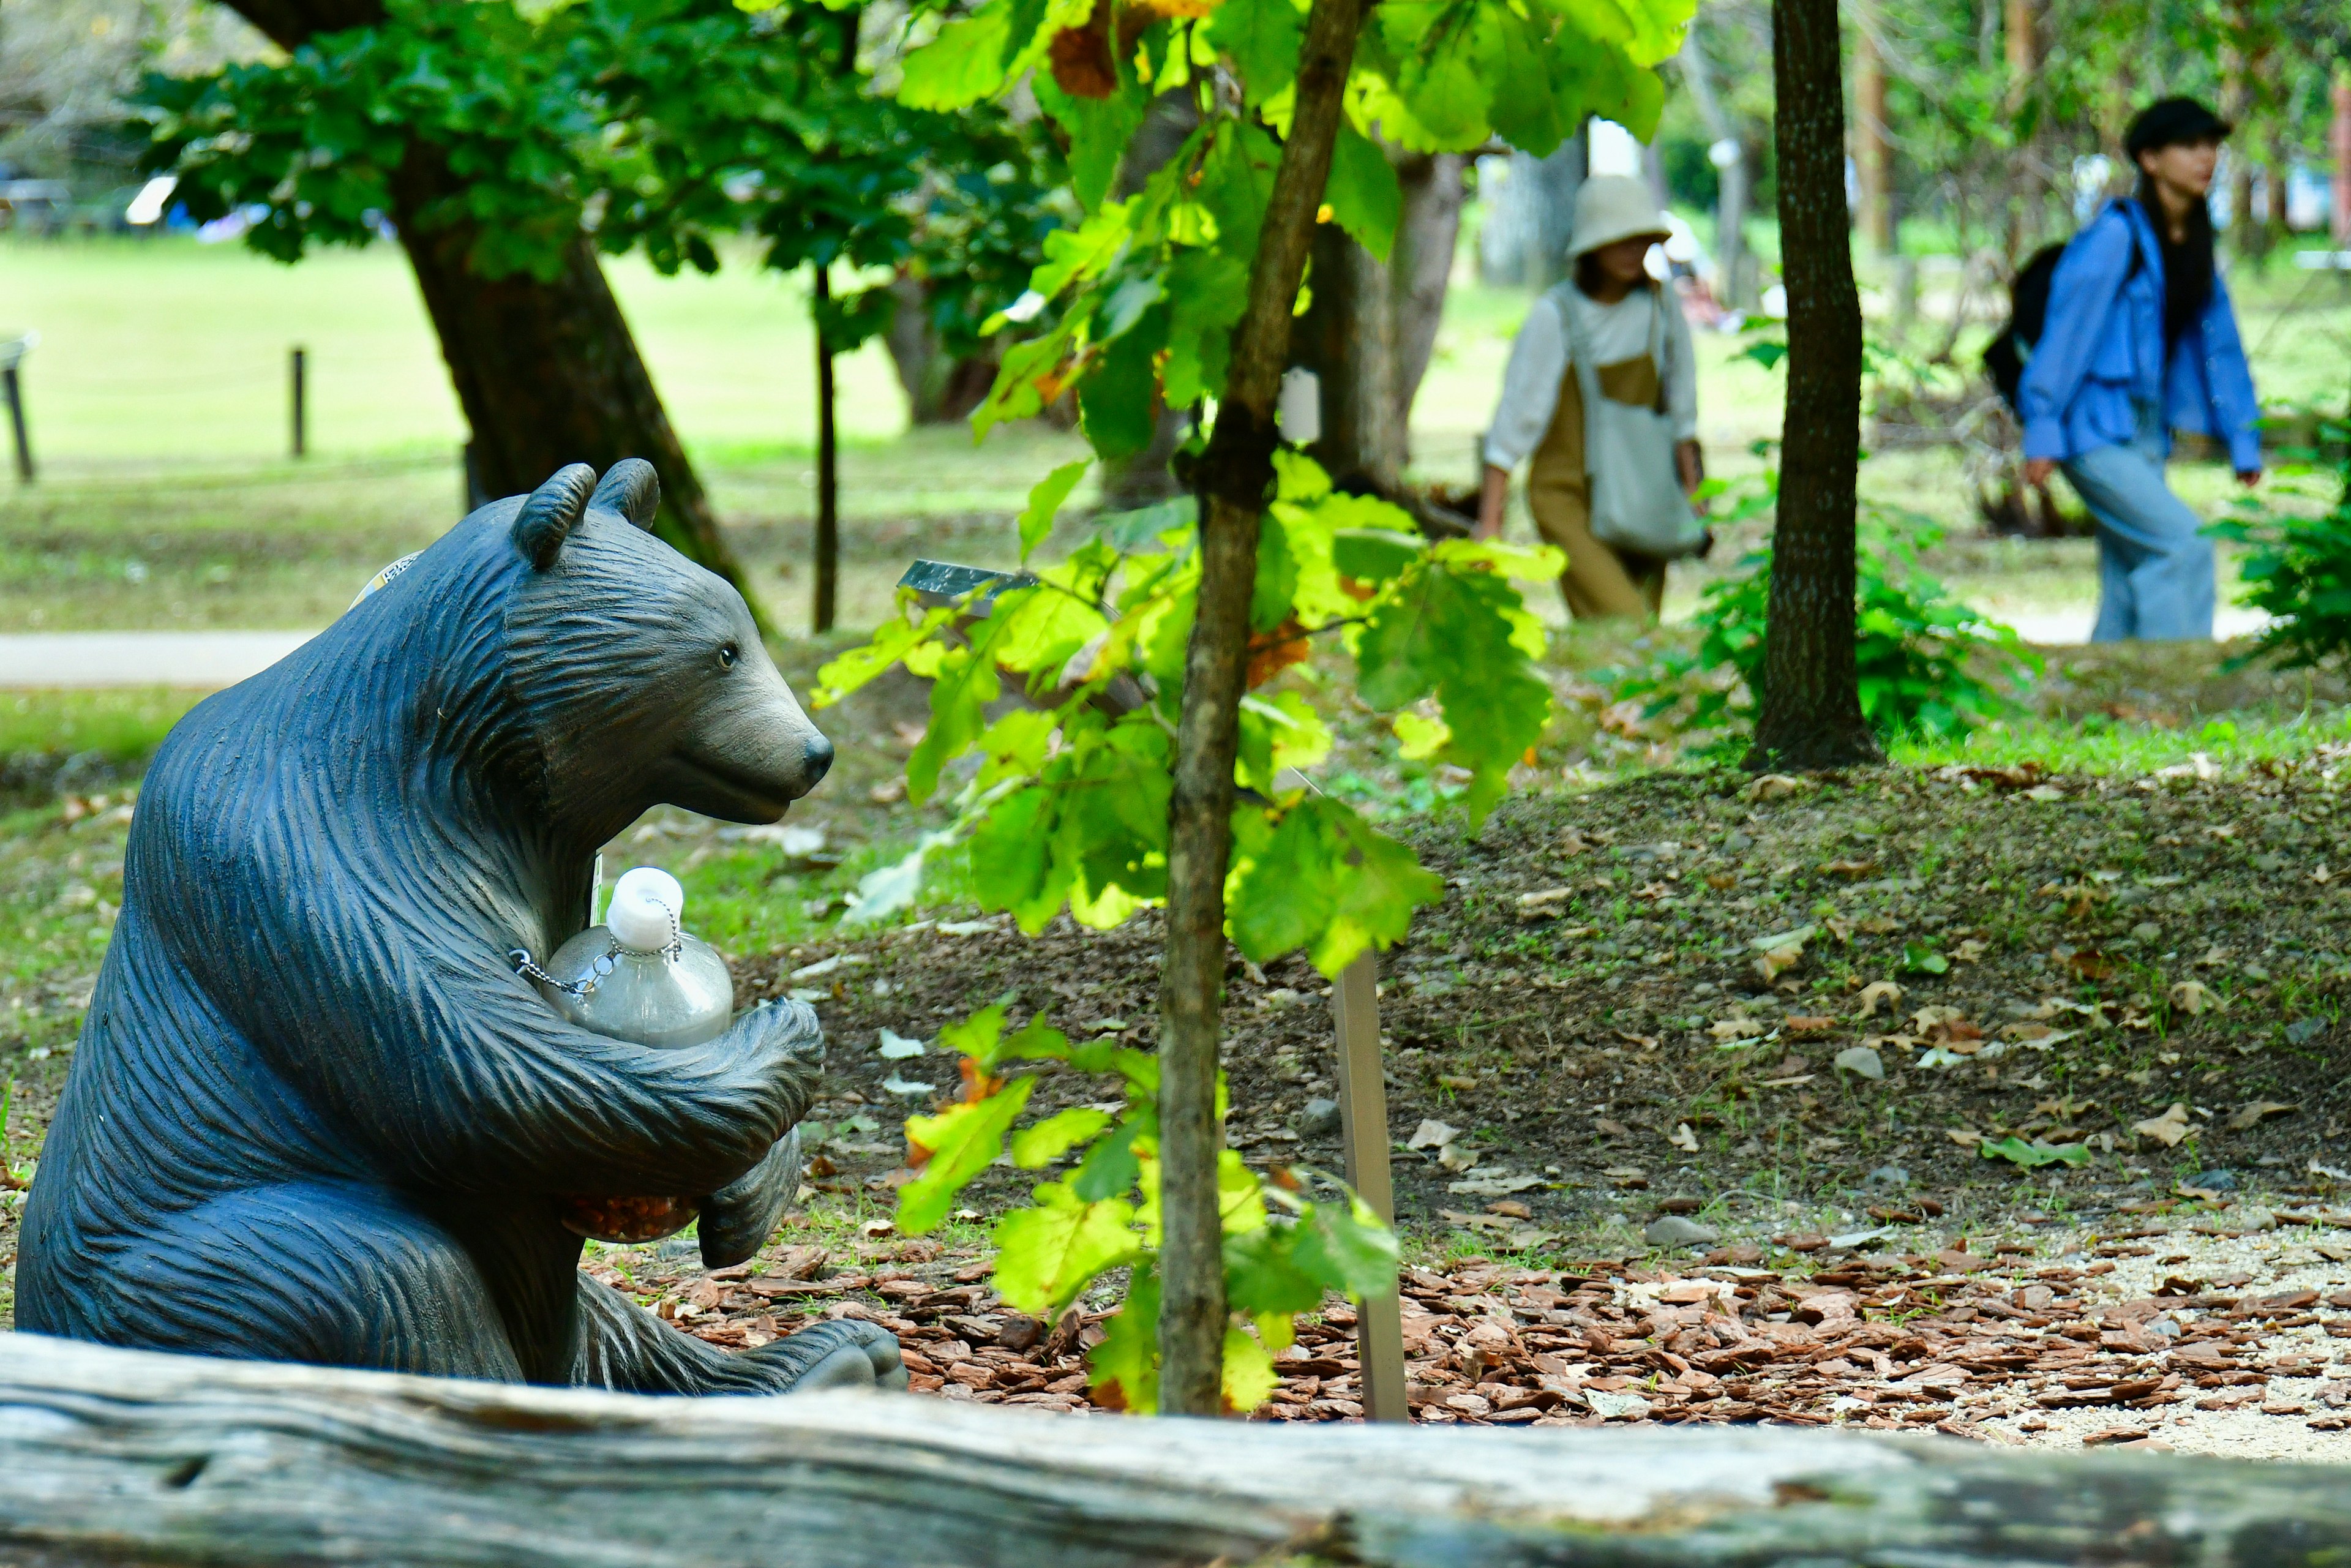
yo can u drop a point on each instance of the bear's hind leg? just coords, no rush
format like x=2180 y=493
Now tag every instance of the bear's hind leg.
x=624 y=1348
x=316 y=1273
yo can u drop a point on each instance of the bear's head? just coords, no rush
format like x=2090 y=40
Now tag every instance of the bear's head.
x=643 y=675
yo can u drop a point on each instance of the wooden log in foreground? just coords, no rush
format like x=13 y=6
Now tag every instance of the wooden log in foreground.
x=116 y=1457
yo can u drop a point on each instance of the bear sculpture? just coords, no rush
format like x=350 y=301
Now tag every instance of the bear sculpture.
x=315 y=1114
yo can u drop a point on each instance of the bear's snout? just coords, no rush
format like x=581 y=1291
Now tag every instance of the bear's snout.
x=819 y=759
x=750 y=751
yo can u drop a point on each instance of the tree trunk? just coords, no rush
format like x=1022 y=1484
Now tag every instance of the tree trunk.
x=1810 y=712
x=1235 y=474
x=1146 y=477
x=2020 y=42
x=1373 y=326
x=545 y=372
x=1874 y=146
x=1729 y=156
x=1436 y=186
x=2338 y=147
x=1348 y=339
x=940 y=388
x=828 y=475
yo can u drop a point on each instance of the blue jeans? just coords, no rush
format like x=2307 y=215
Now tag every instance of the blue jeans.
x=2155 y=565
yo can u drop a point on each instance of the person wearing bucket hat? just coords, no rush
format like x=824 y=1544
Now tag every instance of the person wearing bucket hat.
x=2139 y=341
x=1599 y=399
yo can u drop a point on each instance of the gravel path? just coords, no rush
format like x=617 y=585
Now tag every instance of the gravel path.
x=194 y=660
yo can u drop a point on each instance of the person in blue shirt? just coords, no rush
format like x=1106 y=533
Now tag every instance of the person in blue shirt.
x=2140 y=342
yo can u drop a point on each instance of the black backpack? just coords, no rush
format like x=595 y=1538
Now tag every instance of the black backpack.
x=2028 y=311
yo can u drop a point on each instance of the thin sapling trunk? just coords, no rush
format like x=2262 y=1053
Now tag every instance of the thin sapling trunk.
x=1236 y=474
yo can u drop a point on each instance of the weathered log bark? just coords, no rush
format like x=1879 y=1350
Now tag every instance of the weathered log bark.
x=1810 y=712
x=547 y=371
x=111 y=1457
x=1236 y=478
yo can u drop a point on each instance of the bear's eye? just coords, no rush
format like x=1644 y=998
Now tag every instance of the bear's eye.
x=726 y=657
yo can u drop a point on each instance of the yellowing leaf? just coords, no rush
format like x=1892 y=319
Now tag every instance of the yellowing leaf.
x=1248 y=1375
x=1420 y=738
x=1126 y=1364
x=1056 y=1135
x=1047 y=1255
x=960 y=1141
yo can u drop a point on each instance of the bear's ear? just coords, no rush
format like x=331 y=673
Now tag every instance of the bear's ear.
x=553 y=510
x=632 y=488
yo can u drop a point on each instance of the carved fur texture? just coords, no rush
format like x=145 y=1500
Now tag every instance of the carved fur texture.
x=314 y=1115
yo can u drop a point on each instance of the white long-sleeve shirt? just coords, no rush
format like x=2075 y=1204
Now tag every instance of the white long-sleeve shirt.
x=1538 y=360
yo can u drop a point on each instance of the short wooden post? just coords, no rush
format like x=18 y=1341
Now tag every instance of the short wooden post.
x=301 y=412
x=1364 y=1130
x=16 y=390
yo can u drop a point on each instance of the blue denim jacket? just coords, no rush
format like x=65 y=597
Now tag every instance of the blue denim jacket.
x=2101 y=352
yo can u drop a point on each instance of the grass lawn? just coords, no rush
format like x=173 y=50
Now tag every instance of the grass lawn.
x=159 y=409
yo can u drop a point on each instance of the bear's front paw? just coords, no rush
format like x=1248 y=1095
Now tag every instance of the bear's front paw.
x=738 y=1218
x=844 y=1354
x=786 y=1032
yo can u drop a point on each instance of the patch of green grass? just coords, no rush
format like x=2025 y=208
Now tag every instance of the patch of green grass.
x=124 y=726
x=2099 y=745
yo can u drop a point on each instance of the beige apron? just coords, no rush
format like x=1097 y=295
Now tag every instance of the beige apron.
x=1600 y=580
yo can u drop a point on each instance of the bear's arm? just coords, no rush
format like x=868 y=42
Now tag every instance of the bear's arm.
x=412 y=1035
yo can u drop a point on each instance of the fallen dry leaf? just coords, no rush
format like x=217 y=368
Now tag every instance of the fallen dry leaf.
x=2090 y=964
x=1874 y=992
x=1735 y=1028
x=1683 y=1138
x=1774 y=786
x=2250 y=1116
x=1432 y=1134
x=2167 y=1129
x=2192 y=997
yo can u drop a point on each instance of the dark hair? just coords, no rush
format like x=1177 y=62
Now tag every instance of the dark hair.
x=1587 y=274
x=2187 y=265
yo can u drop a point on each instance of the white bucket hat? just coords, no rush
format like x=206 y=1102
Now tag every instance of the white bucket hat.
x=1610 y=207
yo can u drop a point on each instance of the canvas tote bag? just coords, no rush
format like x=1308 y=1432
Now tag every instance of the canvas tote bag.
x=1637 y=503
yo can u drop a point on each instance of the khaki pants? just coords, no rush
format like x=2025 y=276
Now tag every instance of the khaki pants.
x=1599 y=579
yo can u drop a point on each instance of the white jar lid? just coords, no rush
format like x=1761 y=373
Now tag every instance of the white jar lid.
x=648 y=909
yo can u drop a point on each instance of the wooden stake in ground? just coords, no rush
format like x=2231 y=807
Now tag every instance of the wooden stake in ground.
x=1809 y=712
x=1363 y=1131
x=1236 y=474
